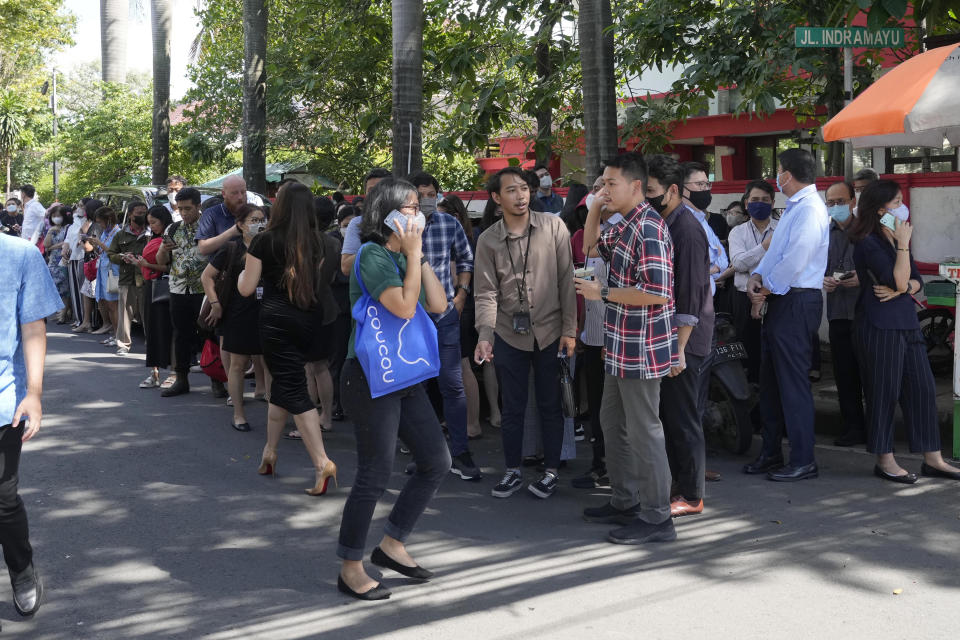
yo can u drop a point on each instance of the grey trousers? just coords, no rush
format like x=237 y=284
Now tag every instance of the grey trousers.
x=636 y=451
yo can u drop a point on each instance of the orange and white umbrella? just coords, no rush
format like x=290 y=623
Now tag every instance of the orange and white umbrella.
x=915 y=104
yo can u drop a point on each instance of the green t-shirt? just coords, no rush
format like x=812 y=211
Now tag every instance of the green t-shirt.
x=378 y=268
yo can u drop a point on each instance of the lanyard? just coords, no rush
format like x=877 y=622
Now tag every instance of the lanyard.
x=522 y=285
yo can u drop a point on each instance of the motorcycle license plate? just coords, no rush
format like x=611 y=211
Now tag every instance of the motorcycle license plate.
x=727 y=352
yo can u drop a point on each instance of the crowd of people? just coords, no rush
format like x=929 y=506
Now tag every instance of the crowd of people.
x=398 y=312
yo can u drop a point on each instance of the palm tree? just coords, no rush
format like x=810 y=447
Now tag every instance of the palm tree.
x=160 y=23
x=255 y=94
x=114 y=18
x=407 y=86
x=599 y=87
x=13 y=123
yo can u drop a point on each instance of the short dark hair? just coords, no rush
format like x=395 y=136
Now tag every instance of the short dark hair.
x=631 y=165
x=763 y=185
x=346 y=211
x=337 y=197
x=245 y=211
x=326 y=211
x=176 y=178
x=162 y=214
x=105 y=213
x=28 y=190
x=690 y=167
x=539 y=166
x=133 y=204
x=867 y=173
x=188 y=193
x=800 y=163
x=377 y=172
x=849 y=185
x=424 y=179
x=666 y=170
x=532 y=180
x=494 y=183
x=17 y=200
x=872 y=198
x=91 y=207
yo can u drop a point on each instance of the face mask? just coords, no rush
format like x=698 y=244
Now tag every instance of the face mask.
x=781 y=186
x=759 y=210
x=399 y=220
x=733 y=219
x=11 y=208
x=428 y=205
x=901 y=212
x=700 y=199
x=889 y=221
x=589 y=201
x=57 y=221
x=839 y=212
x=256 y=227
x=657 y=202
x=546 y=182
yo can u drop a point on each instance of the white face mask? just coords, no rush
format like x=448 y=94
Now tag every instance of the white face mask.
x=256 y=227
x=57 y=221
x=546 y=182
x=901 y=212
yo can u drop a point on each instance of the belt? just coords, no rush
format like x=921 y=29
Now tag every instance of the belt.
x=802 y=290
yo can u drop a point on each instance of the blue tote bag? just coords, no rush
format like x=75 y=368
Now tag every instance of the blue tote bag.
x=395 y=353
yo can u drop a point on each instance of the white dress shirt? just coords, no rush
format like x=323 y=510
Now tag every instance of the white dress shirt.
x=797 y=257
x=746 y=249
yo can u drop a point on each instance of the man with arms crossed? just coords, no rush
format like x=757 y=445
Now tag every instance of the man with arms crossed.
x=641 y=349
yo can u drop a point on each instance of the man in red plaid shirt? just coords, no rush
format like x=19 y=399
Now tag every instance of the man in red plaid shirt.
x=641 y=349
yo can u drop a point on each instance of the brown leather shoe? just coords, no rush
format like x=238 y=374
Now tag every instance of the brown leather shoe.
x=712 y=476
x=680 y=507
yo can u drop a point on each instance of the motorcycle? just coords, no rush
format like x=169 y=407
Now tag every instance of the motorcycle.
x=730 y=399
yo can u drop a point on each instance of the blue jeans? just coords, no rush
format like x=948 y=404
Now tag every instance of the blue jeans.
x=513 y=372
x=377 y=424
x=450 y=381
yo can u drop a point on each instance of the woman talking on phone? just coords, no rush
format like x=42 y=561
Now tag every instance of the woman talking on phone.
x=392 y=348
x=890 y=348
x=295 y=264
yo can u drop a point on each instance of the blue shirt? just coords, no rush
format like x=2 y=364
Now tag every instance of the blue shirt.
x=444 y=240
x=718 y=255
x=551 y=203
x=215 y=221
x=27 y=294
x=797 y=256
x=351 y=238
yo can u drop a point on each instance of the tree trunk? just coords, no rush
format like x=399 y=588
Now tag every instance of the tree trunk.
x=589 y=60
x=160 y=22
x=255 y=94
x=542 y=145
x=607 y=134
x=407 y=86
x=7 y=197
x=114 y=18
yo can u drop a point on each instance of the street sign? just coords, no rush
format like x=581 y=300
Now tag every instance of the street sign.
x=858 y=37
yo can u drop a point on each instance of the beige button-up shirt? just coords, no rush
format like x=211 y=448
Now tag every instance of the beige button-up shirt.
x=551 y=299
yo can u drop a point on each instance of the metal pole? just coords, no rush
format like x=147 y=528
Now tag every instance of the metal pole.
x=956 y=382
x=847 y=99
x=56 y=165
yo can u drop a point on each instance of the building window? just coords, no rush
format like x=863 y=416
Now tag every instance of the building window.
x=914 y=159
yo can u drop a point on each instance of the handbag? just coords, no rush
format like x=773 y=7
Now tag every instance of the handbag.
x=161 y=289
x=567 y=399
x=210 y=361
x=90 y=269
x=113 y=282
x=395 y=353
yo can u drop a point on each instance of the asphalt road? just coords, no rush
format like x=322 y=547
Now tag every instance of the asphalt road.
x=149 y=521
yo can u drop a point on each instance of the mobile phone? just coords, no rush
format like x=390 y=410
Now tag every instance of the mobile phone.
x=847 y=275
x=396 y=220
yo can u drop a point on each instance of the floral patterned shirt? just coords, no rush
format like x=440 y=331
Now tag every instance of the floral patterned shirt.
x=186 y=263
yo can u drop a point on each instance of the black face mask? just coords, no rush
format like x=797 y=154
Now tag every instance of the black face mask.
x=657 y=202
x=700 y=199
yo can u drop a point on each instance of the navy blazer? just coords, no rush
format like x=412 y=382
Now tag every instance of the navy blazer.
x=874 y=258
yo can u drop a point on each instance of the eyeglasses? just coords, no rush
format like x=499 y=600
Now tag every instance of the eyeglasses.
x=409 y=207
x=703 y=186
x=833 y=203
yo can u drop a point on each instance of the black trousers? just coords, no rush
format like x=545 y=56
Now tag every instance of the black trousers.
x=896 y=370
x=14 y=532
x=682 y=431
x=341 y=338
x=748 y=331
x=846 y=370
x=592 y=359
x=786 y=400
x=184 y=310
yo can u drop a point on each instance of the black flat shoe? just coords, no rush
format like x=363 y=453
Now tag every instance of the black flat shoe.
x=379 y=592
x=907 y=478
x=933 y=472
x=243 y=426
x=27 y=591
x=381 y=559
x=763 y=464
x=792 y=474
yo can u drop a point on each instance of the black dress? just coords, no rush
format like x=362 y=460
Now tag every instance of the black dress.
x=240 y=324
x=291 y=336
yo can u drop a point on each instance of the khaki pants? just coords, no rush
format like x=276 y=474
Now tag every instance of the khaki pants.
x=635 y=447
x=129 y=306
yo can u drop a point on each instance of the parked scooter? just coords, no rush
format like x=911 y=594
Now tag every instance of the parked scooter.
x=726 y=418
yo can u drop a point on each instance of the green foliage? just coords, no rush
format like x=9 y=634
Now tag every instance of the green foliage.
x=32 y=29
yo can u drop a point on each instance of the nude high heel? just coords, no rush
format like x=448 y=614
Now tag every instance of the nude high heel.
x=268 y=463
x=323 y=479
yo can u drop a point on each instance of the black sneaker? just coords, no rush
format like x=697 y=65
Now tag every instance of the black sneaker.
x=545 y=486
x=464 y=467
x=593 y=479
x=508 y=485
x=579 y=433
x=609 y=514
x=640 y=532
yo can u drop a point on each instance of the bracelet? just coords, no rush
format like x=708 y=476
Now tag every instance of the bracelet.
x=907 y=250
x=423 y=260
x=213 y=301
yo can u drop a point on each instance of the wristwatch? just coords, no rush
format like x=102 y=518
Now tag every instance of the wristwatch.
x=604 y=292
x=465 y=287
